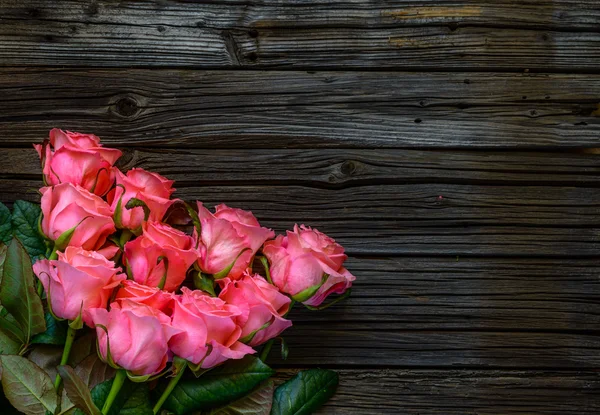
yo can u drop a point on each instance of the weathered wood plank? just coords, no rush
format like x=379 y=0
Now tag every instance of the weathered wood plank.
x=247 y=109
x=339 y=168
x=413 y=219
x=545 y=35
x=469 y=293
x=460 y=392
x=378 y=345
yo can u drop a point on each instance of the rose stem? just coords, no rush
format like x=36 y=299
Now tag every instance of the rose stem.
x=65 y=356
x=114 y=390
x=266 y=350
x=172 y=383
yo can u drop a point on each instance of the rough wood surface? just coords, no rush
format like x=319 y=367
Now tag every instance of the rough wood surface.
x=413 y=219
x=247 y=109
x=469 y=293
x=377 y=345
x=341 y=168
x=452 y=146
x=460 y=392
x=544 y=35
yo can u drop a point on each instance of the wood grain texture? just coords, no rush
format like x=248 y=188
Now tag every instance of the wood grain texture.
x=451 y=146
x=342 y=168
x=377 y=345
x=412 y=219
x=460 y=392
x=545 y=35
x=469 y=293
x=246 y=109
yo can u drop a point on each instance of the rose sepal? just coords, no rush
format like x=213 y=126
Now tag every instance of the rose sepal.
x=133 y=203
x=307 y=294
x=248 y=338
x=63 y=240
x=223 y=273
x=337 y=300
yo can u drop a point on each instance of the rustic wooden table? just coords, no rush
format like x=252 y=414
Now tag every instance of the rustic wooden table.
x=449 y=145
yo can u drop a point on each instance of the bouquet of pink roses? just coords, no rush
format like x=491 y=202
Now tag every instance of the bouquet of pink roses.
x=131 y=314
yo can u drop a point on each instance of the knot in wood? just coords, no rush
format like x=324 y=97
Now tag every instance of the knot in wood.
x=126 y=107
x=348 y=167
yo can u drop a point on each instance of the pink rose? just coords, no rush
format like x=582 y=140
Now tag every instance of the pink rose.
x=78 y=159
x=138 y=336
x=66 y=206
x=262 y=306
x=78 y=280
x=227 y=234
x=150 y=296
x=151 y=188
x=307 y=265
x=160 y=240
x=209 y=334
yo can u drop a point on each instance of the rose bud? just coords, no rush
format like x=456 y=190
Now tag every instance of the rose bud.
x=151 y=188
x=142 y=294
x=78 y=280
x=78 y=159
x=307 y=265
x=161 y=255
x=209 y=334
x=262 y=306
x=133 y=336
x=228 y=240
x=69 y=208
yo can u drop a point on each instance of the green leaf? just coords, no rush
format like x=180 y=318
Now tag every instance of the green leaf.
x=258 y=402
x=8 y=345
x=219 y=386
x=12 y=337
x=138 y=402
x=7 y=408
x=3 y=249
x=25 y=219
x=5 y=225
x=56 y=332
x=94 y=371
x=46 y=357
x=305 y=392
x=77 y=391
x=133 y=399
x=27 y=387
x=83 y=347
x=18 y=294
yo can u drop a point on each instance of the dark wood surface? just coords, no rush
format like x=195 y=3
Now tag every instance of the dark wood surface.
x=452 y=146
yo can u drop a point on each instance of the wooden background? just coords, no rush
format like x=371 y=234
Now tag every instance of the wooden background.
x=450 y=145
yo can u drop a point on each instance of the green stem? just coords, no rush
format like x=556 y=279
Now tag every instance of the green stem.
x=54 y=254
x=172 y=383
x=114 y=390
x=125 y=237
x=266 y=350
x=40 y=289
x=65 y=356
